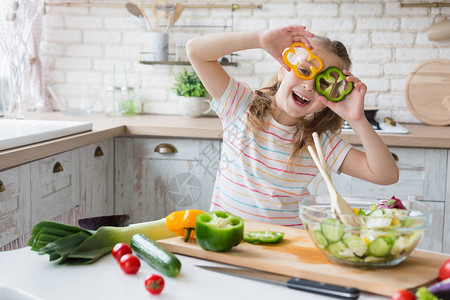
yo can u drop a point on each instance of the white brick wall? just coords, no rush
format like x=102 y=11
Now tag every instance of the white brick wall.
x=80 y=46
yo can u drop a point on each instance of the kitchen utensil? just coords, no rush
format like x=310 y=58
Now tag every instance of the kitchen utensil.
x=178 y=10
x=147 y=20
x=365 y=246
x=338 y=204
x=134 y=9
x=427 y=92
x=297 y=256
x=293 y=283
x=439 y=31
x=94 y=223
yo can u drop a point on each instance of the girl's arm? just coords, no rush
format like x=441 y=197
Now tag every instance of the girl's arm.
x=376 y=164
x=204 y=51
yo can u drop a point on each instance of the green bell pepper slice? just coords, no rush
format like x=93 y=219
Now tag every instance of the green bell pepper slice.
x=218 y=231
x=327 y=85
x=263 y=237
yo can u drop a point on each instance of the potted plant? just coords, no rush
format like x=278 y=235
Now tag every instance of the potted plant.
x=191 y=94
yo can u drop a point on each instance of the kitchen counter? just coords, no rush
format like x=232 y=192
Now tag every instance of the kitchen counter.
x=175 y=126
x=33 y=274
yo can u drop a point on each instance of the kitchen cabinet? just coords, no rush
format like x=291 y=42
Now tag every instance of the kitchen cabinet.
x=156 y=176
x=446 y=246
x=423 y=176
x=97 y=178
x=14 y=206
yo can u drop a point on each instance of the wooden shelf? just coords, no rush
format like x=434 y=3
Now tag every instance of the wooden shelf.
x=181 y=63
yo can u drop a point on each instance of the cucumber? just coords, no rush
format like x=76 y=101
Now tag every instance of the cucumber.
x=338 y=249
x=320 y=239
x=155 y=255
x=332 y=229
x=380 y=247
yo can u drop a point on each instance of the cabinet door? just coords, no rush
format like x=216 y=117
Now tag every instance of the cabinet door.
x=97 y=178
x=446 y=246
x=152 y=181
x=55 y=188
x=433 y=236
x=15 y=222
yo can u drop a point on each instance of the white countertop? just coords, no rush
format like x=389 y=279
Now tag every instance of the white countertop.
x=33 y=274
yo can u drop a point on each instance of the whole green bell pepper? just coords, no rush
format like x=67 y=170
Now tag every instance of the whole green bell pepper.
x=218 y=231
x=327 y=84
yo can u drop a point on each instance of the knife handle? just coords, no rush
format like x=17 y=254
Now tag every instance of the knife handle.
x=331 y=290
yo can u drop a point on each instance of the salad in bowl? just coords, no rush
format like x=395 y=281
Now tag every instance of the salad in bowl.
x=390 y=229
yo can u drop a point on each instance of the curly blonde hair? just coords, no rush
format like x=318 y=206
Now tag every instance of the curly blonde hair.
x=263 y=105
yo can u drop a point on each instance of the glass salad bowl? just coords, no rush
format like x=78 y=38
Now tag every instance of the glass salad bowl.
x=387 y=235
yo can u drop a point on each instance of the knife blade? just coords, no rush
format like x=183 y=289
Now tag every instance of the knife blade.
x=321 y=288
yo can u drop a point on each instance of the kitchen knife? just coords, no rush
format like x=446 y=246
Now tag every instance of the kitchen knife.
x=293 y=283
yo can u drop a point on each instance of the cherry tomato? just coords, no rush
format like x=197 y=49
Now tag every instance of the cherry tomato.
x=444 y=271
x=154 y=284
x=120 y=250
x=403 y=295
x=130 y=264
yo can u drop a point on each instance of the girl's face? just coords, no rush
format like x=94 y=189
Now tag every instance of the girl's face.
x=296 y=97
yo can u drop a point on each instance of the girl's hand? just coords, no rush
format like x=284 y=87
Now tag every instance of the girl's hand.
x=351 y=108
x=275 y=41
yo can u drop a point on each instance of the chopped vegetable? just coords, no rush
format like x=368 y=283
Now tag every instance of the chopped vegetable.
x=290 y=59
x=329 y=84
x=391 y=203
x=155 y=255
x=154 y=284
x=263 y=237
x=182 y=222
x=332 y=229
x=218 y=231
x=129 y=264
x=75 y=245
x=119 y=250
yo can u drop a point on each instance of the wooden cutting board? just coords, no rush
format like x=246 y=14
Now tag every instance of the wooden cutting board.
x=297 y=256
x=427 y=92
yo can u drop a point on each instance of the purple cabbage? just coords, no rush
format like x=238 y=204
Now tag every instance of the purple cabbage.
x=391 y=203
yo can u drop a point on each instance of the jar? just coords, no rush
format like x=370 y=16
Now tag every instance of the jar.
x=112 y=102
x=129 y=100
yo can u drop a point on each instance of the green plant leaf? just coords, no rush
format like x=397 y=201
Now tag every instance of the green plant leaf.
x=188 y=84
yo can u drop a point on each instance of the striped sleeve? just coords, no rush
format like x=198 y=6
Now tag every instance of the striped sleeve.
x=335 y=150
x=233 y=102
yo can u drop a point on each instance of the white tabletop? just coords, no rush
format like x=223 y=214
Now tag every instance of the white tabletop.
x=32 y=274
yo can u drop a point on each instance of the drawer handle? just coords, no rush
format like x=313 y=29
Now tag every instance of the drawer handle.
x=57 y=167
x=395 y=156
x=98 y=152
x=166 y=149
x=2 y=187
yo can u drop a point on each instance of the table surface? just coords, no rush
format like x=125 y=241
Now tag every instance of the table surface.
x=32 y=274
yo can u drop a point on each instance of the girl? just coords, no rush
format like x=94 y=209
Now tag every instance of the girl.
x=265 y=167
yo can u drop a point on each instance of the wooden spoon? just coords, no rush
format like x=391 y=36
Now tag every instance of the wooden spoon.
x=147 y=20
x=338 y=204
x=178 y=10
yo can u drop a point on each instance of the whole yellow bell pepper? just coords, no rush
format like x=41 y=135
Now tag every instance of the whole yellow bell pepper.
x=182 y=222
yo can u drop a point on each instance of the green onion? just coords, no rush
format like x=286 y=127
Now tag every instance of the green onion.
x=75 y=245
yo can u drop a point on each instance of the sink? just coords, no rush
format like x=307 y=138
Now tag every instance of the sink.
x=16 y=133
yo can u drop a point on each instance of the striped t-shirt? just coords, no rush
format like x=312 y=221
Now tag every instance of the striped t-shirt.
x=253 y=180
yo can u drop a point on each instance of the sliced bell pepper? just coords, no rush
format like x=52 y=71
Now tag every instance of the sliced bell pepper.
x=218 y=231
x=182 y=222
x=294 y=65
x=328 y=85
x=263 y=237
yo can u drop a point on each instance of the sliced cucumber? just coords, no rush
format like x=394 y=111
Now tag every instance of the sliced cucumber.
x=155 y=255
x=380 y=247
x=356 y=244
x=332 y=229
x=320 y=239
x=338 y=249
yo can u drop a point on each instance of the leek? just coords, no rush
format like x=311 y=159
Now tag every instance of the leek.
x=75 y=245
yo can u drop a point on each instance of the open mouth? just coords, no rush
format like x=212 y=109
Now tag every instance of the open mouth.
x=299 y=99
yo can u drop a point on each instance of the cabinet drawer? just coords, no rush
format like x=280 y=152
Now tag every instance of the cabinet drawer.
x=14 y=204
x=58 y=189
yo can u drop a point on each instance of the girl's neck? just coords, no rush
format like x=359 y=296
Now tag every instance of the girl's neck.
x=283 y=118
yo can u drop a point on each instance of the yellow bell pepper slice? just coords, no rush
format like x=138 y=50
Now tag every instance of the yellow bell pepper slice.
x=294 y=65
